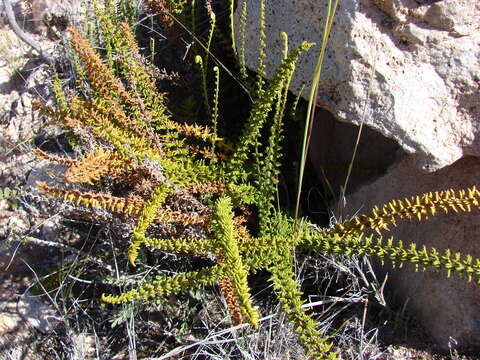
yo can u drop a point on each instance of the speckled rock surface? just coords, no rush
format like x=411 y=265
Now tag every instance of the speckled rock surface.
x=425 y=58
x=445 y=307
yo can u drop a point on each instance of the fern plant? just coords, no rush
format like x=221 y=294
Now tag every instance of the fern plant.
x=154 y=161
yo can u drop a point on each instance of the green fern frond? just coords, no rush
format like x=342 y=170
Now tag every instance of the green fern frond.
x=232 y=25
x=216 y=71
x=211 y=30
x=60 y=96
x=203 y=80
x=241 y=50
x=8 y=193
x=267 y=179
x=191 y=245
x=261 y=52
x=259 y=113
x=419 y=207
x=235 y=270
x=171 y=285
x=289 y=295
x=397 y=253
x=140 y=82
x=103 y=119
x=149 y=212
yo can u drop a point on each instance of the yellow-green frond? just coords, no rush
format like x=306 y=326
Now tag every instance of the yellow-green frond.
x=417 y=207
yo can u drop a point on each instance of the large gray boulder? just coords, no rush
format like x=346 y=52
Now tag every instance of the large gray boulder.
x=425 y=58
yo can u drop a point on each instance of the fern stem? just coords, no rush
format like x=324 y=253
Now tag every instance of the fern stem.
x=203 y=79
x=232 y=26
x=241 y=51
x=216 y=71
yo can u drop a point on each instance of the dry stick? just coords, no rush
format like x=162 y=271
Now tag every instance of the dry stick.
x=364 y=114
x=210 y=340
x=342 y=200
x=93 y=259
x=21 y=34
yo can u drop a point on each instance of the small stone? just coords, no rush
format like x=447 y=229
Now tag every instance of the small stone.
x=37 y=314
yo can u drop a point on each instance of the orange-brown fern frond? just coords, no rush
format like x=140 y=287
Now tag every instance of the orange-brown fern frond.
x=159 y=8
x=240 y=228
x=100 y=162
x=205 y=153
x=199 y=132
x=54 y=158
x=210 y=188
x=131 y=204
x=99 y=75
x=169 y=215
x=113 y=93
x=128 y=205
x=231 y=300
x=228 y=292
x=419 y=207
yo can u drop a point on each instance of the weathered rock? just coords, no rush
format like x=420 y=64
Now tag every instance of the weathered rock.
x=37 y=314
x=425 y=58
x=85 y=346
x=334 y=143
x=16 y=336
x=68 y=10
x=445 y=307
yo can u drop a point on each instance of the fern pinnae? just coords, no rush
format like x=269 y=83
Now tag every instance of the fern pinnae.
x=293 y=108
x=397 y=253
x=181 y=245
x=81 y=81
x=98 y=163
x=419 y=207
x=107 y=29
x=259 y=113
x=7 y=193
x=261 y=52
x=60 y=96
x=289 y=295
x=55 y=158
x=127 y=205
x=216 y=72
x=227 y=244
x=270 y=163
x=128 y=11
x=99 y=117
x=170 y=285
x=241 y=50
x=192 y=14
x=211 y=30
x=232 y=25
x=149 y=212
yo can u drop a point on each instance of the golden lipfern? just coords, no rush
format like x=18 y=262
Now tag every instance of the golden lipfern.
x=417 y=207
x=157 y=172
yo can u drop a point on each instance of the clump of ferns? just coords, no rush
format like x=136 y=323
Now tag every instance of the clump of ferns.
x=159 y=173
